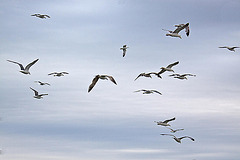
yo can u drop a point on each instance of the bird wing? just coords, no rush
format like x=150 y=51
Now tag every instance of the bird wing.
x=30 y=64
x=112 y=79
x=223 y=47
x=21 y=66
x=167 y=135
x=140 y=90
x=168 y=30
x=124 y=52
x=187 y=137
x=180 y=27
x=156 y=92
x=52 y=73
x=179 y=129
x=174 y=75
x=183 y=75
x=35 y=92
x=168 y=120
x=187 y=30
x=94 y=81
x=162 y=71
x=157 y=74
x=173 y=64
x=64 y=72
x=235 y=47
x=141 y=74
x=47 y=16
x=43 y=94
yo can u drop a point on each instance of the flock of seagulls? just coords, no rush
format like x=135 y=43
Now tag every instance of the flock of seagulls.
x=165 y=124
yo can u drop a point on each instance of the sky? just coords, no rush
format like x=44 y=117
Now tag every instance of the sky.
x=112 y=122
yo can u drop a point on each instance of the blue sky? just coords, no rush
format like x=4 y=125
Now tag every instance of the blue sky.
x=112 y=122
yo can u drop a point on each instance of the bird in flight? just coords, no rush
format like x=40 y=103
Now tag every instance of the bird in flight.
x=26 y=69
x=168 y=68
x=58 y=74
x=174 y=130
x=36 y=95
x=165 y=123
x=42 y=16
x=178 y=29
x=148 y=75
x=181 y=76
x=124 y=48
x=148 y=91
x=42 y=83
x=102 y=77
x=178 y=139
x=229 y=48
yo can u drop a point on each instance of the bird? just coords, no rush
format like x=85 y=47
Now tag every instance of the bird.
x=42 y=83
x=229 y=48
x=148 y=91
x=124 y=48
x=180 y=138
x=165 y=123
x=168 y=68
x=103 y=77
x=148 y=75
x=181 y=76
x=178 y=29
x=58 y=74
x=43 y=16
x=36 y=95
x=26 y=69
x=174 y=130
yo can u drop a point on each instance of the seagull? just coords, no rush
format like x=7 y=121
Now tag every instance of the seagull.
x=43 y=16
x=42 y=83
x=178 y=29
x=168 y=68
x=103 y=77
x=148 y=91
x=229 y=48
x=26 y=69
x=148 y=75
x=58 y=74
x=36 y=95
x=124 y=48
x=181 y=76
x=174 y=130
x=180 y=138
x=165 y=123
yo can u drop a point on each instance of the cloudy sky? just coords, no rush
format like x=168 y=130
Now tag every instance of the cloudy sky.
x=112 y=122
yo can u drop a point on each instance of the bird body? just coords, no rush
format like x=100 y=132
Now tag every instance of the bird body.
x=58 y=74
x=148 y=75
x=102 y=77
x=181 y=76
x=165 y=123
x=26 y=69
x=230 y=48
x=42 y=83
x=148 y=91
x=124 y=48
x=42 y=16
x=36 y=95
x=174 y=130
x=180 y=138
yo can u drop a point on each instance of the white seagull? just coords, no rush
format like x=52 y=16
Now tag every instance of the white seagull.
x=103 y=77
x=181 y=76
x=178 y=139
x=36 y=95
x=174 y=130
x=148 y=75
x=26 y=69
x=168 y=68
x=58 y=74
x=178 y=29
x=43 y=16
x=165 y=123
x=124 y=48
x=148 y=91
x=230 y=48
x=42 y=83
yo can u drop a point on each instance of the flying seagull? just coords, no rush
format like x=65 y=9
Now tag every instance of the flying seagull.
x=229 y=48
x=36 y=95
x=148 y=91
x=178 y=139
x=168 y=68
x=174 y=130
x=181 y=76
x=26 y=69
x=148 y=75
x=178 y=29
x=124 y=48
x=58 y=74
x=43 y=16
x=103 y=77
x=165 y=123
x=42 y=83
